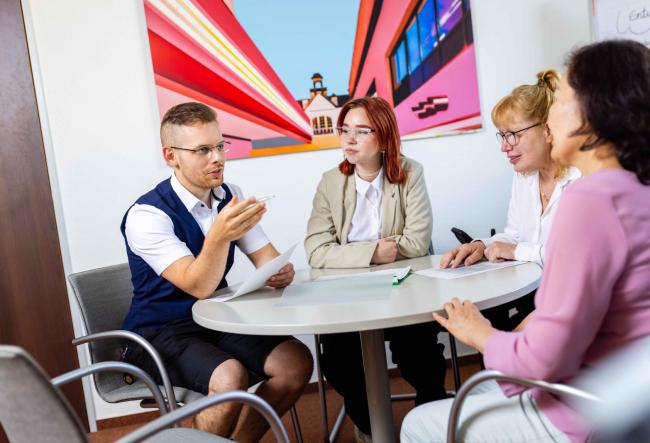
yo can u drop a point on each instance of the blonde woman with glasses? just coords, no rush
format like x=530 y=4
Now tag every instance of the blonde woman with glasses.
x=537 y=186
x=538 y=183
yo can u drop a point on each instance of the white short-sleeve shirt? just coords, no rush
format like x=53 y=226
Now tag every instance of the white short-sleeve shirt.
x=150 y=232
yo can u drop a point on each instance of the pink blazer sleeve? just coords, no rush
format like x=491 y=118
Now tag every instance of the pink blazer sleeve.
x=587 y=252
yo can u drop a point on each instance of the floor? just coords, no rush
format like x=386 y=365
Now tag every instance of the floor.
x=309 y=412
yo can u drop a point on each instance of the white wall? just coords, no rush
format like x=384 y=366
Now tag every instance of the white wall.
x=100 y=116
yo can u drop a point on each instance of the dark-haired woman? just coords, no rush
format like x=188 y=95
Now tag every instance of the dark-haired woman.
x=373 y=209
x=595 y=291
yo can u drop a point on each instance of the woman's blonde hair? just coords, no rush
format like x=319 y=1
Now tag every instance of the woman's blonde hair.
x=531 y=102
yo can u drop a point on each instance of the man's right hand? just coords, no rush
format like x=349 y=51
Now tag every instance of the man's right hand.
x=237 y=218
x=466 y=254
x=386 y=251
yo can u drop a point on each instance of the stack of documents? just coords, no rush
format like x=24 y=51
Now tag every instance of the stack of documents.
x=465 y=271
x=397 y=274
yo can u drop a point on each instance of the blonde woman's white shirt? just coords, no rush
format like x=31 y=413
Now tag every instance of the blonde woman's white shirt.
x=366 y=221
x=527 y=226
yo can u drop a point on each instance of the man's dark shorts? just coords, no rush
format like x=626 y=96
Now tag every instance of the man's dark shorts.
x=191 y=353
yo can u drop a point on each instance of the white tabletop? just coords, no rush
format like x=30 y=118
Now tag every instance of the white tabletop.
x=413 y=301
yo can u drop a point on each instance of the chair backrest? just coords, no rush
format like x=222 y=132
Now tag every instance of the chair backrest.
x=104 y=297
x=31 y=408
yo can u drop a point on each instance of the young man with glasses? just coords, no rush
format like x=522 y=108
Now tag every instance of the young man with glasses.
x=180 y=240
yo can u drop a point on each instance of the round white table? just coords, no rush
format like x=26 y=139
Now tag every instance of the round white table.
x=411 y=302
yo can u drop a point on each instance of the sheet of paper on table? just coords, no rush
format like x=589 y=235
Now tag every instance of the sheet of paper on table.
x=465 y=271
x=338 y=291
x=259 y=277
x=398 y=273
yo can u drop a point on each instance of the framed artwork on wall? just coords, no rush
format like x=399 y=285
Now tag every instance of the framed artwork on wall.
x=278 y=73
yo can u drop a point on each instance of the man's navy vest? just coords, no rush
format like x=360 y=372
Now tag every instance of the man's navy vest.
x=156 y=301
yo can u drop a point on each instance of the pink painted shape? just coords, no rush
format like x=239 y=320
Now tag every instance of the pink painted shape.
x=239 y=149
x=457 y=81
x=229 y=123
x=375 y=66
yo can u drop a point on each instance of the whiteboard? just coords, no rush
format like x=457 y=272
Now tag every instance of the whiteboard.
x=628 y=19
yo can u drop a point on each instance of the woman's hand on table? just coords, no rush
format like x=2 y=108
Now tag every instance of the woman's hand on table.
x=466 y=254
x=465 y=322
x=499 y=251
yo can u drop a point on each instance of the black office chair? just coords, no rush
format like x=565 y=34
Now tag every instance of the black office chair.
x=463 y=237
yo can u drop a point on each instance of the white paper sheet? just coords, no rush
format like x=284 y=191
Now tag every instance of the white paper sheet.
x=398 y=273
x=258 y=278
x=464 y=271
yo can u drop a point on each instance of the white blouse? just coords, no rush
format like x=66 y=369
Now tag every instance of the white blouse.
x=366 y=220
x=527 y=227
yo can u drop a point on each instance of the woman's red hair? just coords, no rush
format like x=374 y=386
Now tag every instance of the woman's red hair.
x=382 y=120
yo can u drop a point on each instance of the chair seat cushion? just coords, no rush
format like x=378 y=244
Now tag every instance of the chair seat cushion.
x=185 y=435
x=138 y=391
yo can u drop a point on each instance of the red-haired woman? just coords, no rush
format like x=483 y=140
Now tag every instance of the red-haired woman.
x=373 y=209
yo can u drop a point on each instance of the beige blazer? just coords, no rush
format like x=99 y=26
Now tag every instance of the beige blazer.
x=406 y=217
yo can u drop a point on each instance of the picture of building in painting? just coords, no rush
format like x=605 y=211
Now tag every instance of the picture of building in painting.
x=420 y=56
x=422 y=62
x=323 y=112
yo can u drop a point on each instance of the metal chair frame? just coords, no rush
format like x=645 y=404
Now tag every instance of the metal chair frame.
x=167 y=419
x=170 y=398
x=483 y=376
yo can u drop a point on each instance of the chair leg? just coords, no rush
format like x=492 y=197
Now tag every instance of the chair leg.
x=296 y=424
x=321 y=391
x=454 y=362
x=337 y=425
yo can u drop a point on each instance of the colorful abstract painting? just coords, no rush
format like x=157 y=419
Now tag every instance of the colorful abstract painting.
x=278 y=72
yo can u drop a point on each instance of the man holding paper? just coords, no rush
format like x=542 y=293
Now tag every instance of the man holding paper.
x=180 y=240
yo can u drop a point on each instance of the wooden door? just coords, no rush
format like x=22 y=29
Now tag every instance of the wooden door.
x=34 y=308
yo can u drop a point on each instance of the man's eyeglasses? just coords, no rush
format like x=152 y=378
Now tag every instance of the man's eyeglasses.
x=205 y=150
x=512 y=138
x=359 y=133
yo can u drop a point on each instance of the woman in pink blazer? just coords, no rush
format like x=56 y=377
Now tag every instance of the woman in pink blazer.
x=595 y=292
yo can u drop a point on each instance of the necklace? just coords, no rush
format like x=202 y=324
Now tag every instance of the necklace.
x=545 y=198
x=369 y=177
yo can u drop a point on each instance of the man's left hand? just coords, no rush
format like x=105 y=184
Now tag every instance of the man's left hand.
x=283 y=278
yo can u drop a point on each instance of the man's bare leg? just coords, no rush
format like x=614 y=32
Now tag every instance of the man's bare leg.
x=288 y=367
x=221 y=419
